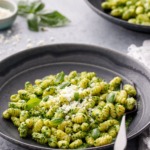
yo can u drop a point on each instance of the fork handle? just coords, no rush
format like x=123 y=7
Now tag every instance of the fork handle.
x=121 y=140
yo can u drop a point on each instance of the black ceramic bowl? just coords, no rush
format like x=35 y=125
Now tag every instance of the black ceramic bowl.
x=41 y=61
x=96 y=6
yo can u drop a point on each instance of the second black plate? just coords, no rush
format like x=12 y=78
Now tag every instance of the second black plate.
x=96 y=6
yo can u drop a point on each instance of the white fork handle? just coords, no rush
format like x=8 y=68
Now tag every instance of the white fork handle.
x=121 y=140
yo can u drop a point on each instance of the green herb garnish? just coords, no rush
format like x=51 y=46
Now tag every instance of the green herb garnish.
x=76 y=96
x=57 y=121
x=38 y=17
x=95 y=133
x=111 y=97
x=45 y=99
x=32 y=103
x=60 y=78
x=64 y=84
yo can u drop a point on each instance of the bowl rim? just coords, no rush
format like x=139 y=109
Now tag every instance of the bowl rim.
x=13 y=12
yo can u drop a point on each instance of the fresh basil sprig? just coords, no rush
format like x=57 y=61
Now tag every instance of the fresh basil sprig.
x=111 y=97
x=76 y=96
x=38 y=17
x=95 y=133
x=64 y=84
x=32 y=103
x=57 y=121
x=59 y=78
x=33 y=22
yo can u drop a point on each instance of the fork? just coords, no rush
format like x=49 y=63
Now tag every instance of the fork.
x=121 y=140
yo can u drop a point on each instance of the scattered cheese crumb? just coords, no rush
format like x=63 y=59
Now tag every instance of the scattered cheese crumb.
x=29 y=45
x=28 y=40
x=41 y=42
x=16 y=38
x=9 y=32
x=2 y=38
x=6 y=41
x=52 y=39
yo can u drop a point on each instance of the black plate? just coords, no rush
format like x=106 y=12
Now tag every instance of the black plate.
x=96 y=6
x=38 y=62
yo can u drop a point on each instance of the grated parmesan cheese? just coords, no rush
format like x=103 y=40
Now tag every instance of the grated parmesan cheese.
x=67 y=117
x=68 y=92
x=4 y=13
x=67 y=108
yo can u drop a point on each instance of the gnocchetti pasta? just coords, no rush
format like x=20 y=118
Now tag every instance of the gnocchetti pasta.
x=70 y=111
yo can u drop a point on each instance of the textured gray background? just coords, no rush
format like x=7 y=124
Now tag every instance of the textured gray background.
x=85 y=27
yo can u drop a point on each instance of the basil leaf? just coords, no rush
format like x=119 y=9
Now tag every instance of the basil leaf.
x=63 y=85
x=36 y=6
x=60 y=78
x=53 y=19
x=40 y=18
x=57 y=121
x=111 y=97
x=95 y=133
x=76 y=96
x=23 y=8
x=33 y=22
x=45 y=99
x=32 y=103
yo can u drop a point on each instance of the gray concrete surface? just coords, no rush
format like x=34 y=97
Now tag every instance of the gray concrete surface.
x=85 y=27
